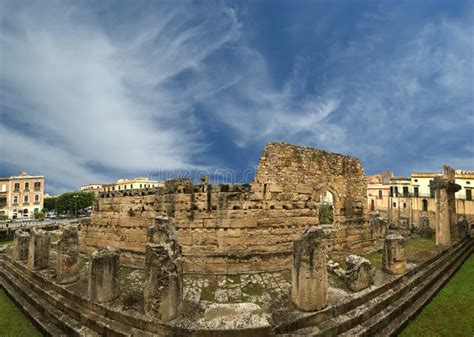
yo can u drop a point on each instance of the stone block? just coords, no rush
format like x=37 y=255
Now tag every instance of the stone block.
x=21 y=243
x=67 y=270
x=104 y=275
x=38 y=250
x=358 y=273
x=163 y=293
x=309 y=275
x=394 y=260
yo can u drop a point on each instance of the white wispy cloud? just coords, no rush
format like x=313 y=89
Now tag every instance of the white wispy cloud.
x=77 y=95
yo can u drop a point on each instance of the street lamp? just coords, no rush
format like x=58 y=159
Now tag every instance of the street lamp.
x=75 y=205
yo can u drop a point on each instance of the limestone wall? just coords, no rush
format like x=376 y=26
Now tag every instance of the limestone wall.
x=232 y=228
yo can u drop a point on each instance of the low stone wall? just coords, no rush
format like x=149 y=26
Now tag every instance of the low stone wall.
x=240 y=228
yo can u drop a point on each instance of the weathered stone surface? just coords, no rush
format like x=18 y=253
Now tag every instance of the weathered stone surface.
x=67 y=269
x=446 y=221
x=21 y=244
x=38 y=250
x=309 y=276
x=394 y=260
x=219 y=226
x=425 y=230
x=163 y=230
x=163 y=291
x=378 y=224
x=358 y=273
x=104 y=275
x=462 y=226
x=234 y=316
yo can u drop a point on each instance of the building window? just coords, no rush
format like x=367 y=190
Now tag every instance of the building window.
x=404 y=205
x=36 y=210
x=140 y=185
x=391 y=191
x=15 y=200
x=415 y=191
x=416 y=180
x=17 y=187
x=405 y=191
x=394 y=204
x=37 y=185
x=468 y=194
x=27 y=186
x=468 y=183
x=380 y=194
x=432 y=193
x=425 y=205
x=26 y=199
x=395 y=190
x=37 y=198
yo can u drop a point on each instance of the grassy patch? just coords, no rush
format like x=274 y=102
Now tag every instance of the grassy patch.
x=419 y=247
x=451 y=312
x=208 y=293
x=253 y=289
x=5 y=241
x=12 y=320
x=125 y=272
x=376 y=259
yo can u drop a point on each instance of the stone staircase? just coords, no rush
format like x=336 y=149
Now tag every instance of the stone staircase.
x=57 y=312
x=390 y=310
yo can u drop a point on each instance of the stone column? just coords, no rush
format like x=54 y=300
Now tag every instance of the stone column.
x=163 y=291
x=425 y=229
x=67 y=270
x=394 y=260
x=358 y=274
x=309 y=286
x=104 y=275
x=21 y=243
x=38 y=250
x=446 y=220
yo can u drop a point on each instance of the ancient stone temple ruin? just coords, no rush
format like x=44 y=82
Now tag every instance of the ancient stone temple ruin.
x=236 y=228
x=252 y=259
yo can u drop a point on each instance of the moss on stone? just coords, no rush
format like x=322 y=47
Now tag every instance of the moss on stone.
x=253 y=289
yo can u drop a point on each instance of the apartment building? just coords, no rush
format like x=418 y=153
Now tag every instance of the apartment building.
x=21 y=196
x=133 y=184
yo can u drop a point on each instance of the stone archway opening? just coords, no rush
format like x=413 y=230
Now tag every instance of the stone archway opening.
x=326 y=208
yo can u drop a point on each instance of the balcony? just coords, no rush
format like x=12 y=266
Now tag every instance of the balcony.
x=16 y=190
x=37 y=189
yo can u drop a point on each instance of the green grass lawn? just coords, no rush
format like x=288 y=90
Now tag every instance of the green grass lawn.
x=12 y=320
x=5 y=241
x=451 y=312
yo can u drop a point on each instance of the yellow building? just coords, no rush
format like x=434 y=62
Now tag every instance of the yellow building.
x=133 y=184
x=95 y=188
x=412 y=197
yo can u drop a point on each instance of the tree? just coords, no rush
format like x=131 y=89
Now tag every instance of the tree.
x=69 y=202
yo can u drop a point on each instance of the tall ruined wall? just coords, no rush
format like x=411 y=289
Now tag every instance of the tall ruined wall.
x=233 y=228
x=292 y=170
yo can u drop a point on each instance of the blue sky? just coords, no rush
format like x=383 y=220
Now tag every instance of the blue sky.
x=98 y=90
